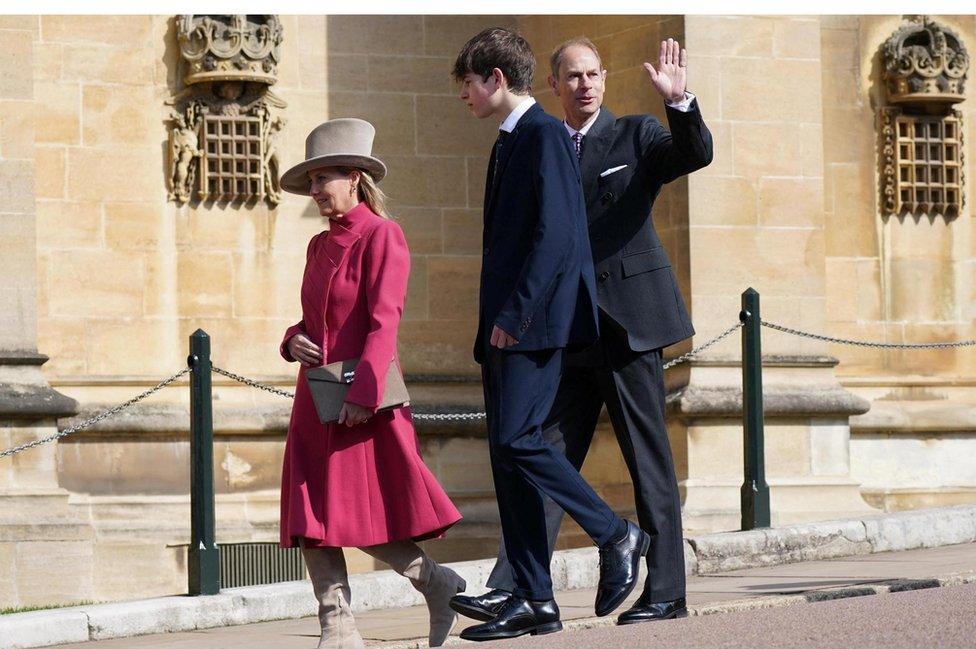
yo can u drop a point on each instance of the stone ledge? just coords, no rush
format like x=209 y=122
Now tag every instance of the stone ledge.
x=916 y=418
x=571 y=569
x=779 y=401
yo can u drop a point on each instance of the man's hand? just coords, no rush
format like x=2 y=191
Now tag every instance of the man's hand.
x=352 y=414
x=500 y=339
x=670 y=77
x=304 y=350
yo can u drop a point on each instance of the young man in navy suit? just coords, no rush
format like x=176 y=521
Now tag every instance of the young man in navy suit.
x=537 y=298
x=623 y=163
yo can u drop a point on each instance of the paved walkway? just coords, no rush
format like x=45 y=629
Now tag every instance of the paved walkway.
x=753 y=588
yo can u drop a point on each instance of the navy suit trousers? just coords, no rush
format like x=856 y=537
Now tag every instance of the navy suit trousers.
x=520 y=388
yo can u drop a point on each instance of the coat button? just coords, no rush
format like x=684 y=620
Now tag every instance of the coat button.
x=606 y=198
x=485 y=251
x=604 y=276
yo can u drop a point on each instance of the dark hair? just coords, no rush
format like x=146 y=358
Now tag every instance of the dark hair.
x=499 y=48
x=557 y=54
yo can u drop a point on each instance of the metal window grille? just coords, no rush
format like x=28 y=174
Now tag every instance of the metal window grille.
x=233 y=149
x=929 y=162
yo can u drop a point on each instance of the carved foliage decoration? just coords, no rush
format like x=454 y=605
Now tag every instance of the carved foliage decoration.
x=922 y=142
x=224 y=125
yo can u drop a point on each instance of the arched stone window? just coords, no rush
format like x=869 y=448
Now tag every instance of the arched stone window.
x=925 y=67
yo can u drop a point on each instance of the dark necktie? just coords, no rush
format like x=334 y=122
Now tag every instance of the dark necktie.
x=578 y=143
x=499 y=143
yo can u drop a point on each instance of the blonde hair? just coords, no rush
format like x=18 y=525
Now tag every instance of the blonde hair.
x=369 y=192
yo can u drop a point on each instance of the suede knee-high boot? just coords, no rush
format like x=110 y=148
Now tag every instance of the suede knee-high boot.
x=327 y=570
x=435 y=582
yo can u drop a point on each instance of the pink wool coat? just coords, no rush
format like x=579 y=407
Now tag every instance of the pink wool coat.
x=366 y=484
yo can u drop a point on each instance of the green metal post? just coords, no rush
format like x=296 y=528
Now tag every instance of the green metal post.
x=755 y=491
x=204 y=555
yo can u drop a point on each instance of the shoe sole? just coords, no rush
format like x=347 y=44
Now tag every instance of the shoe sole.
x=542 y=629
x=645 y=546
x=677 y=614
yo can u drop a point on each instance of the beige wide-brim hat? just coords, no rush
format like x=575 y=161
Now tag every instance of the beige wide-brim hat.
x=344 y=142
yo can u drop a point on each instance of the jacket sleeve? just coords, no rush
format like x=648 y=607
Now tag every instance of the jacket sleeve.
x=686 y=148
x=298 y=327
x=386 y=268
x=559 y=195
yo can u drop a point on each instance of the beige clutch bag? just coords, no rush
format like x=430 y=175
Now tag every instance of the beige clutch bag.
x=330 y=383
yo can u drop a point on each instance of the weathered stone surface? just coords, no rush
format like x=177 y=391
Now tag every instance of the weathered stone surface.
x=43 y=628
x=766 y=547
x=922 y=529
x=778 y=400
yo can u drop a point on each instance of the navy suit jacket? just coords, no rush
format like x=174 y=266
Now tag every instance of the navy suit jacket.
x=537 y=281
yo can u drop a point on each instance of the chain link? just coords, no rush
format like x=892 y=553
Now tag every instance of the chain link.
x=470 y=416
x=697 y=350
x=253 y=383
x=97 y=418
x=864 y=343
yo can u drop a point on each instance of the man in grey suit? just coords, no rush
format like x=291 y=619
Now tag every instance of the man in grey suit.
x=624 y=162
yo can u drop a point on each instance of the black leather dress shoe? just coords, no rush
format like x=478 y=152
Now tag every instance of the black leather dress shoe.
x=644 y=611
x=518 y=617
x=619 y=566
x=483 y=607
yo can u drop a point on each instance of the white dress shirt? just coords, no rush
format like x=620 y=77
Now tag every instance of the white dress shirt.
x=513 y=117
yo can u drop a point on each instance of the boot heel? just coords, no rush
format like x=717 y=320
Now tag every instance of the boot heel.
x=461 y=586
x=645 y=543
x=551 y=627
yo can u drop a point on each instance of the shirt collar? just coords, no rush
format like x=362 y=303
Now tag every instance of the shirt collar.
x=586 y=125
x=513 y=117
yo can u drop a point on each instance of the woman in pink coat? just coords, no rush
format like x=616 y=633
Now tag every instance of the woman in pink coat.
x=360 y=482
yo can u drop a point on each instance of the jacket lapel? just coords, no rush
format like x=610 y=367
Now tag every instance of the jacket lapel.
x=596 y=146
x=506 y=154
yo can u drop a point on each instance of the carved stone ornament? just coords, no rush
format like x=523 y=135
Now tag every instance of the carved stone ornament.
x=925 y=62
x=223 y=129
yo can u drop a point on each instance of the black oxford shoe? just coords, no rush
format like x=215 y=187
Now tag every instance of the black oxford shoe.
x=619 y=566
x=483 y=607
x=644 y=611
x=518 y=617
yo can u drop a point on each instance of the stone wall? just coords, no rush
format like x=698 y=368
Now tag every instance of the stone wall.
x=900 y=280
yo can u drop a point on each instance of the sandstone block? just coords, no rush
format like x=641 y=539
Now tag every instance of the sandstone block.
x=453 y=287
x=117 y=30
x=17 y=186
x=446 y=127
x=462 y=231
x=375 y=34
x=129 y=65
x=393 y=115
x=796 y=37
x=17 y=128
x=17 y=61
x=110 y=117
x=66 y=224
x=346 y=72
x=49 y=169
x=796 y=202
x=57 y=113
x=426 y=181
x=426 y=75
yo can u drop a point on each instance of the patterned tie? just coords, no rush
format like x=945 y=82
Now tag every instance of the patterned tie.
x=578 y=143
